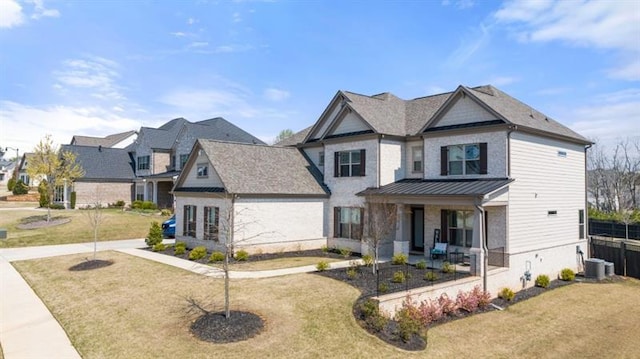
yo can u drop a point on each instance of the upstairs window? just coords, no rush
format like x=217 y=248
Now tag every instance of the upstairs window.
x=349 y=163
x=416 y=155
x=189 y=224
x=143 y=162
x=348 y=222
x=211 y=220
x=203 y=170
x=183 y=160
x=468 y=159
x=321 y=159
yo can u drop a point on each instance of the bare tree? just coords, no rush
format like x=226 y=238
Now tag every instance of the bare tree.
x=381 y=221
x=232 y=226
x=95 y=217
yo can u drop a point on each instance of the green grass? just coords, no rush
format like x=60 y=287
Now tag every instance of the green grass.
x=137 y=309
x=116 y=225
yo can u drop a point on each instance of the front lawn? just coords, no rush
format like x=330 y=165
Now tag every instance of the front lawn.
x=116 y=225
x=137 y=308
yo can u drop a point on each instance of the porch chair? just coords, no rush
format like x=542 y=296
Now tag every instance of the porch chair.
x=439 y=249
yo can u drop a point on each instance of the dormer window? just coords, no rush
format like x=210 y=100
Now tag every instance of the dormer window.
x=321 y=159
x=467 y=159
x=143 y=162
x=183 y=160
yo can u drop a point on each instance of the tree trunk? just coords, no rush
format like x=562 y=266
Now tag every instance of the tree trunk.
x=95 y=242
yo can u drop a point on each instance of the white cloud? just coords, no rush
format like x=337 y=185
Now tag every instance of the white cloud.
x=62 y=122
x=179 y=34
x=273 y=94
x=92 y=72
x=611 y=115
x=237 y=17
x=41 y=11
x=469 y=46
x=198 y=44
x=460 y=4
x=191 y=21
x=598 y=24
x=10 y=14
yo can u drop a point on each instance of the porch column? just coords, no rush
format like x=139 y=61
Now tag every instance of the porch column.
x=155 y=191
x=144 y=192
x=401 y=242
x=476 y=245
x=65 y=200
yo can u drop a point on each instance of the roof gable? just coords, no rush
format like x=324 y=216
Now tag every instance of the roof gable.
x=259 y=169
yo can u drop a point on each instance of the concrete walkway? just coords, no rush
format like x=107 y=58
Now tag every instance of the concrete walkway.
x=29 y=330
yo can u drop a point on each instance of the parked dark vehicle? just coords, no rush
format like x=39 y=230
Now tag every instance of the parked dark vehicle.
x=169 y=227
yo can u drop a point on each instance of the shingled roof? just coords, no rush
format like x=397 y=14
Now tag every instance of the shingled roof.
x=296 y=138
x=263 y=170
x=107 y=141
x=390 y=115
x=102 y=163
x=218 y=128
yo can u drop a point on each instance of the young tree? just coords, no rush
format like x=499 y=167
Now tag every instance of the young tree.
x=381 y=222
x=283 y=134
x=95 y=217
x=53 y=165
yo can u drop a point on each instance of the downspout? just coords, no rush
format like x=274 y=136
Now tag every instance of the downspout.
x=586 y=203
x=511 y=129
x=485 y=250
x=378 y=161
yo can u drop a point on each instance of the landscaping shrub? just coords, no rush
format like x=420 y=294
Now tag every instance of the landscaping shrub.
x=370 y=313
x=44 y=196
x=422 y=264
x=431 y=276
x=20 y=188
x=73 y=200
x=430 y=311
x=567 y=275
x=472 y=300
x=119 y=203
x=399 y=258
x=448 y=267
x=56 y=206
x=11 y=183
x=408 y=321
x=324 y=249
x=352 y=272
x=242 y=255
x=179 y=250
x=542 y=281
x=399 y=277
x=216 y=257
x=448 y=305
x=166 y=212
x=159 y=247
x=198 y=253
x=149 y=205
x=383 y=288
x=506 y=294
x=155 y=234
x=137 y=204
x=367 y=259
x=322 y=266
x=345 y=252
x=181 y=245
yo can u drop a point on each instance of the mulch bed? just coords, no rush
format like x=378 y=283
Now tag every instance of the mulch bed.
x=216 y=328
x=90 y=264
x=39 y=223
x=170 y=250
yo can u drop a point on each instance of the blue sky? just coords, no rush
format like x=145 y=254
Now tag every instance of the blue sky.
x=100 y=67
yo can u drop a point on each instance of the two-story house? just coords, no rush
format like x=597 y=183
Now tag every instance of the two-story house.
x=161 y=153
x=474 y=168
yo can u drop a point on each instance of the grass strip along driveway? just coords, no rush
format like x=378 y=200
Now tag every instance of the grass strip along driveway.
x=137 y=308
x=116 y=225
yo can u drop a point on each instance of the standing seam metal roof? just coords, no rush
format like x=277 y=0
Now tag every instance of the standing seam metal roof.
x=459 y=187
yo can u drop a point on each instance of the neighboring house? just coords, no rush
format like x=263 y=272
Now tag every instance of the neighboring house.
x=474 y=168
x=266 y=197
x=22 y=170
x=118 y=140
x=108 y=177
x=7 y=168
x=160 y=153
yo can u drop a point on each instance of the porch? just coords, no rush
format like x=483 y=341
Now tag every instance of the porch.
x=157 y=188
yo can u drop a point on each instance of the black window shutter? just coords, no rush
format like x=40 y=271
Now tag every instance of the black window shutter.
x=184 y=220
x=217 y=221
x=336 y=222
x=336 y=164
x=483 y=158
x=444 y=227
x=444 y=161
x=363 y=162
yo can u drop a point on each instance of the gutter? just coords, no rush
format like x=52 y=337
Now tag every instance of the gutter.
x=378 y=161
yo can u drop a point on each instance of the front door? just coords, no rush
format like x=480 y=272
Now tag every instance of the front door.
x=417 y=229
